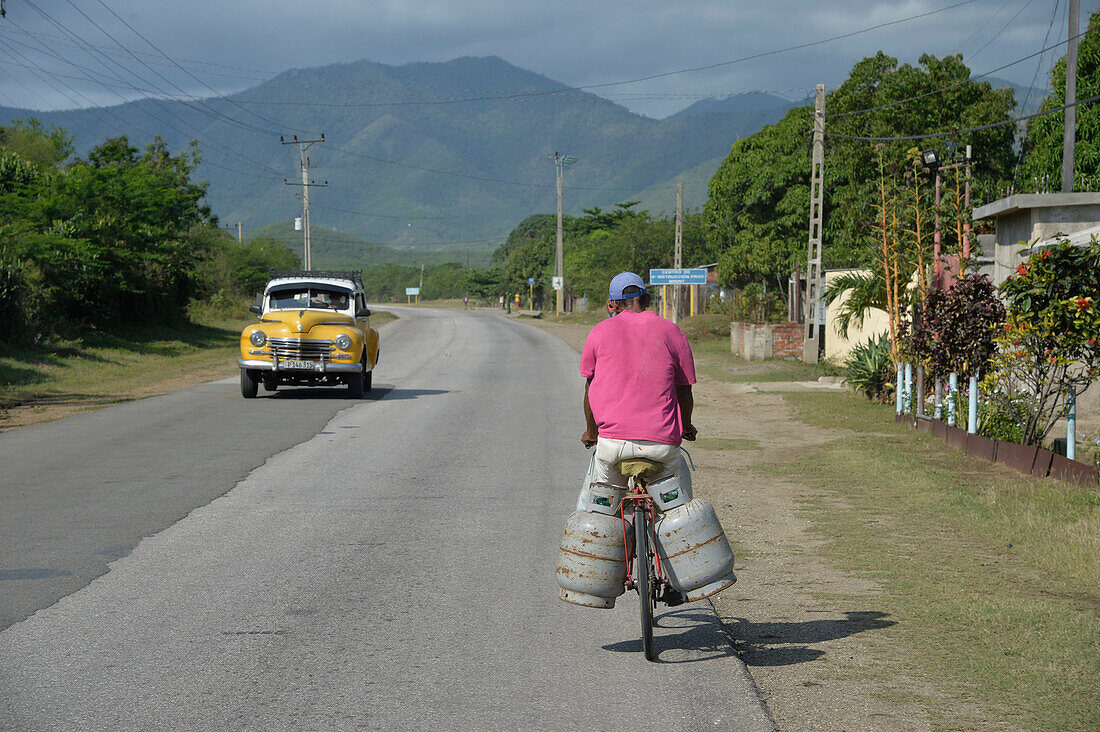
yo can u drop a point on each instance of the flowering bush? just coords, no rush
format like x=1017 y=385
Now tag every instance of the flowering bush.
x=957 y=328
x=1049 y=340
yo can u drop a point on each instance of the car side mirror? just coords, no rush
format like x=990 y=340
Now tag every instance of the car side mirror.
x=362 y=313
x=255 y=309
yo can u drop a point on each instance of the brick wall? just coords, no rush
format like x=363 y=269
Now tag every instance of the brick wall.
x=758 y=341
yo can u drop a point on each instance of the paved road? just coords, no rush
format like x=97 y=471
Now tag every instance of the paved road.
x=389 y=566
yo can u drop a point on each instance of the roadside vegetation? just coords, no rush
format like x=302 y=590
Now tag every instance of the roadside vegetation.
x=992 y=577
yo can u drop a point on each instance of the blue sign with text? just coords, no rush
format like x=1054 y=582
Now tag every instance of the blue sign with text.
x=677 y=277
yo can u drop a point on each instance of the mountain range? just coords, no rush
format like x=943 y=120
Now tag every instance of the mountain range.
x=423 y=155
x=428 y=156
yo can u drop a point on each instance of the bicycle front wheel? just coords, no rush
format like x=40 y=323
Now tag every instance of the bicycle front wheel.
x=644 y=577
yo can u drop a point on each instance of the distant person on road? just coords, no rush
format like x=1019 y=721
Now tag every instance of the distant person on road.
x=637 y=398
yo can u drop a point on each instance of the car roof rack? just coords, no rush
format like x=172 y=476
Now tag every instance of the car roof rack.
x=355 y=275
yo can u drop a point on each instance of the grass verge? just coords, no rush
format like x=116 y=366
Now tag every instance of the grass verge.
x=67 y=377
x=993 y=577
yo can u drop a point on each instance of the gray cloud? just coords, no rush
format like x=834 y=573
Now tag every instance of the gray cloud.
x=572 y=41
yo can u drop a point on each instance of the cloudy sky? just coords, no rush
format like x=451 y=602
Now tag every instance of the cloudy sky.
x=58 y=54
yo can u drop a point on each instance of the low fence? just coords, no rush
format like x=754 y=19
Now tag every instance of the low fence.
x=1034 y=460
x=758 y=341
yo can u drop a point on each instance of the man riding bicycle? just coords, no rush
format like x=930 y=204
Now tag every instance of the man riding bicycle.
x=637 y=398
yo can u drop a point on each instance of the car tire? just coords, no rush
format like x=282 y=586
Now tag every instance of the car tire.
x=368 y=379
x=249 y=384
x=355 y=386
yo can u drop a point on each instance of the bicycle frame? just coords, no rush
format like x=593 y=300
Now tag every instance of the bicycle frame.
x=644 y=574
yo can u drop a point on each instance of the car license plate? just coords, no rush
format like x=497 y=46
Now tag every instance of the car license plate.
x=302 y=365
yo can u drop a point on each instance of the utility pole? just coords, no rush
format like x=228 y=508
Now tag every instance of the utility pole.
x=1070 y=136
x=811 y=342
x=560 y=161
x=678 y=262
x=303 y=146
x=240 y=233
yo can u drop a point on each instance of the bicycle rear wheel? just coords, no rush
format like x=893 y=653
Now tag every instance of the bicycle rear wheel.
x=644 y=578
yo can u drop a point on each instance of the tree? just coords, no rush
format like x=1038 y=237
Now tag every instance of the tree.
x=1049 y=343
x=35 y=144
x=759 y=198
x=1042 y=153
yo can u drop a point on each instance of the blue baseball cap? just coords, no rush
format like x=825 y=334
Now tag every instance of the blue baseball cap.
x=622 y=281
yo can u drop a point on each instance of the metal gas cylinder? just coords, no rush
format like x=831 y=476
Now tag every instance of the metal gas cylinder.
x=694 y=551
x=592 y=560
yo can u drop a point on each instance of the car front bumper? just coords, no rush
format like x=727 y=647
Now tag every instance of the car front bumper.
x=327 y=367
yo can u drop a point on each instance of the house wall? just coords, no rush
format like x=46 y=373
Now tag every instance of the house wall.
x=838 y=345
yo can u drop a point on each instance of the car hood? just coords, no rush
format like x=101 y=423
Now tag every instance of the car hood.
x=301 y=322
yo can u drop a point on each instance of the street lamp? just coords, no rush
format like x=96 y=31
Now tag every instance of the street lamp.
x=932 y=161
x=560 y=161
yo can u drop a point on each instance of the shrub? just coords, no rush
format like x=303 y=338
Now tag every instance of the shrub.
x=1049 y=342
x=870 y=368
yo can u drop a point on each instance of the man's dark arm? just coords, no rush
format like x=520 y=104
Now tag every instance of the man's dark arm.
x=591 y=429
x=687 y=404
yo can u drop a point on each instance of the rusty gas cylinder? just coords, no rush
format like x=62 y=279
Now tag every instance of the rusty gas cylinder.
x=592 y=560
x=694 y=551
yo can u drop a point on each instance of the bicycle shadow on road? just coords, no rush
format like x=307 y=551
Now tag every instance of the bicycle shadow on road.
x=788 y=643
x=687 y=635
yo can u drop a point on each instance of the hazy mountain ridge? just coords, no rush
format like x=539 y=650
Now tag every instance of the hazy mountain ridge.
x=440 y=116
x=430 y=155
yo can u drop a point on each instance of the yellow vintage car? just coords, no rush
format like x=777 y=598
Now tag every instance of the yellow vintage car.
x=314 y=330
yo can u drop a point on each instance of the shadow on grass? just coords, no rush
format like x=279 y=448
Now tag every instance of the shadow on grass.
x=169 y=340
x=788 y=643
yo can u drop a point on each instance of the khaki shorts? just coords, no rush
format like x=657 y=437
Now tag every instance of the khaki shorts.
x=609 y=452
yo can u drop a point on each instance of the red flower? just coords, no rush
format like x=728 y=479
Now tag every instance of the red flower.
x=1083 y=304
x=1022 y=269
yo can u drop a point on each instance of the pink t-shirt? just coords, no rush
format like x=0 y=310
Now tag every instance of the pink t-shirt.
x=635 y=361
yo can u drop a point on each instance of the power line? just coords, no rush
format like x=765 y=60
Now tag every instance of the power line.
x=968 y=129
x=181 y=68
x=839 y=115
x=1003 y=29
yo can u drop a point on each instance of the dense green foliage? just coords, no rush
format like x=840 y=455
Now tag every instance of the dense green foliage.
x=596 y=247
x=123 y=236
x=1050 y=341
x=759 y=198
x=1043 y=145
x=957 y=327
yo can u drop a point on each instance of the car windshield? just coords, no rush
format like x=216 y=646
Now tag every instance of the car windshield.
x=294 y=298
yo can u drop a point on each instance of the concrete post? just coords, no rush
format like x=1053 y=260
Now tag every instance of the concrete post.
x=972 y=415
x=952 y=397
x=1071 y=424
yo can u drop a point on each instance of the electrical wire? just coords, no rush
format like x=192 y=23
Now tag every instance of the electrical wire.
x=979 y=128
x=839 y=115
x=1003 y=29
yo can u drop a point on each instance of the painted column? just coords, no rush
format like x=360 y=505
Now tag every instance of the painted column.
x=972 y=420
x=1071 y=424
x=952 y=397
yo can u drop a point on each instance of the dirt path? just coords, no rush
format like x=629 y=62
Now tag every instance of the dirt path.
x=814 y=639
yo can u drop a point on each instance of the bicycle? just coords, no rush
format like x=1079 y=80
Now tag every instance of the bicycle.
x=646 y=577
x=643 y=563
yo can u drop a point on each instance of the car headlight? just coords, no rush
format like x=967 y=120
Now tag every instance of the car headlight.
x=343 y=342
x=257 y=338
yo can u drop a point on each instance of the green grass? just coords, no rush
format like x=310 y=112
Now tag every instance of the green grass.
x=725 y=443
x=109 y=367
x=993 y=577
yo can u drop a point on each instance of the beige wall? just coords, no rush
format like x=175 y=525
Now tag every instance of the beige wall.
x=837 y=347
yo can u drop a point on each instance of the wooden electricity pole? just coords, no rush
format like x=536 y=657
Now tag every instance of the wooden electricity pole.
x=560 y=161
x=811 y=342
x=678 y=261
x=303 y=146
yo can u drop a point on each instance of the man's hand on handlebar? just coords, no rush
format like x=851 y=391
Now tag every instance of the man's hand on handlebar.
x=588 y=439
x=690 y=433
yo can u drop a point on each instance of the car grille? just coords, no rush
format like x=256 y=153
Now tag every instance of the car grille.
x=307 y=348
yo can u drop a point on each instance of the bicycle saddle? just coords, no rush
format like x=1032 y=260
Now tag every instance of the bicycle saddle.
x=640 y=468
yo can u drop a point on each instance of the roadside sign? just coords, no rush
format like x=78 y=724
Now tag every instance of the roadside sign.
x=677 y=277
x=410 y=291
x=556 y=283
x=530 y=281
